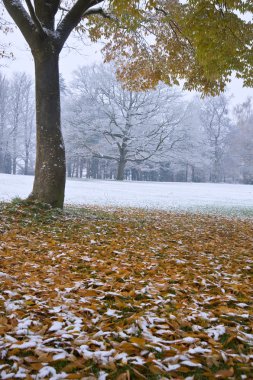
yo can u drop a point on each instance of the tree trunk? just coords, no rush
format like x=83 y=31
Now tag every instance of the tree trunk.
x=14 y=153
x=186 y=172
x=50 y=168
x=69 y=167
x=193 y=173
x=26 y=162
x=1 y=145
x=120 y=170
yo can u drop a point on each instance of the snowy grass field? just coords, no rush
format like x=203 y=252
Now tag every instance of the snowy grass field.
x=220 y=198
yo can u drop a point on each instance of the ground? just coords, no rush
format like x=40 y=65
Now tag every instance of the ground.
x=208 y=197
x=94 y=293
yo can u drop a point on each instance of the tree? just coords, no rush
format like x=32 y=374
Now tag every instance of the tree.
x=46 y=42
x=242 y=140
x=5 y=160
x=217 y=126
x=4 y=28
x=21 y=115
x=155 y=39
x=27 y=140
x=17 y=124
x=191 y=158
x=200 y=41
x=116 y=124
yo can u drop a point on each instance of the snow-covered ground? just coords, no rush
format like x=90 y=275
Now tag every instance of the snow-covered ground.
x=156 y=195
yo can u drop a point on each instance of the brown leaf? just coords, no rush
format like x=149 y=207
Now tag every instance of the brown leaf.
x=139 y=341
x=124 y=376
x=224 y=373
x=36 y=366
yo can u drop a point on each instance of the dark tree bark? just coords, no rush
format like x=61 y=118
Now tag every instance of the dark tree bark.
x=50 y=169
x=26 y=166
x=14 y=152
x=121 y=170
x=122 y=160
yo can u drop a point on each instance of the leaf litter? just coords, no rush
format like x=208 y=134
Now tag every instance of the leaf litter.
x=124 y=294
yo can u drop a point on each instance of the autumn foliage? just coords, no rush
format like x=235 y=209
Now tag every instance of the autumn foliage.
x=124 y=294
x=200 y=42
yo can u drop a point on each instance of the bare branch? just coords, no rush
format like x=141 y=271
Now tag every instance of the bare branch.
x=73 y=17
x=97 y=11
x=22 y=19
x=35 y=19
x=97 y=154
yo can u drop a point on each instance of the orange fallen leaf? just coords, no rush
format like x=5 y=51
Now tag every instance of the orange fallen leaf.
x=124 y=376
x=224 y=373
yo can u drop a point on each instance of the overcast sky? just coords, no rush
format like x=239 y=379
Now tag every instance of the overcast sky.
x=80 y=54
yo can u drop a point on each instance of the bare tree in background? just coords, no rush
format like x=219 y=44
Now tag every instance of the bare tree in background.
x=17 y=124
x=21 y=116
x=5 y=161
x=217 y=125
x=120 y=125
x=28 y=135
x=242 y=140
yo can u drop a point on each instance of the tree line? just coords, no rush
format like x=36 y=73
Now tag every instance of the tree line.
x=17 y=124
x=112 y=132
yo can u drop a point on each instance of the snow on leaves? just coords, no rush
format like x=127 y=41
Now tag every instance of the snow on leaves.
x=124 y=295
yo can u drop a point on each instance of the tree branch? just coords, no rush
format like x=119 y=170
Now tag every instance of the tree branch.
x=73 y=17
x=97 y=11
x=35 y=19
x=21 y=18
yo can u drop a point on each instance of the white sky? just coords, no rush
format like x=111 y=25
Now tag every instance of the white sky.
x=80 y=54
